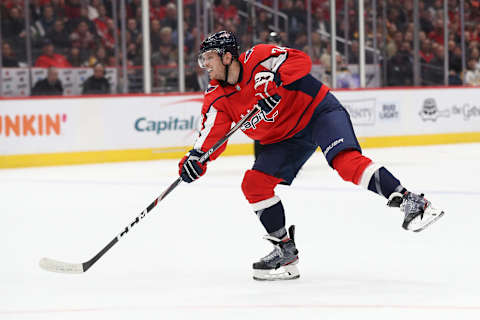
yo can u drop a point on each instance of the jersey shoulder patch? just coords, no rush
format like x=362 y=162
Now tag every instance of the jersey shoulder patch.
x=211 y=88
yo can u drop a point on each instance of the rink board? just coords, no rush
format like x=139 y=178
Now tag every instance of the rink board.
x=75 y=130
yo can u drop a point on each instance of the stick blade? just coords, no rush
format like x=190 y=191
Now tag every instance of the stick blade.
x=60 y=267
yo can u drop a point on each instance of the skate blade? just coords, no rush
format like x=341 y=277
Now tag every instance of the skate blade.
x=288 y=272
x=429 y=217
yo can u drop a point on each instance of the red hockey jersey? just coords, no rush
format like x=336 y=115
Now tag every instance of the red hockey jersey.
x=300 y=94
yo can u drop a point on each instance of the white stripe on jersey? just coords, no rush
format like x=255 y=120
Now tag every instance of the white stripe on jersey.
x=273 y=63
x=211 y=116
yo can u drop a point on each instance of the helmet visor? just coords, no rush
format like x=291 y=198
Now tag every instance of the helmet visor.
x=205 y=57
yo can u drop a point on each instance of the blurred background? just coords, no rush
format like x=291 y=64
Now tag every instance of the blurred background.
x=73 y=47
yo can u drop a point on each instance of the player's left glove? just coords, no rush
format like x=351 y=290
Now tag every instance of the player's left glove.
x=266 y=85
x=190 y=168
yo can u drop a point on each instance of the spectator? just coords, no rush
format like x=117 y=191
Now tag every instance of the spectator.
x=83 y=17
x=36 y=8
x=50 y=58
x=83 y=38
x=316 y=47
x=45 y=24
x=132 y=29
x=225 y=11
x=454 y=78
x=455 y=60
x=100 y=56
x=426 y=53
x=400 y=67
x=102 y=23
x=475 y=54
x=157 y=11
x=50 y=86
x=60 y=37
x=394 y=45
x=434 y=69
x=132 y=8
x=8 y=56
x=97 y=84
x=73 y=9
x=166 y=36
x=165 y=56
x=155 y=38
x=13 y=27
x=58 y=8
x=472 y=76
x=134 y=56
x=94 y=9
x=109 y=39
x=165 y=62
x=263 y=22
x=75 y=57
x=437 y=33
x=345 y=78
x=170 y=19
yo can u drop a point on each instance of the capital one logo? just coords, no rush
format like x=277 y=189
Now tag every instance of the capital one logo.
x=31 y=125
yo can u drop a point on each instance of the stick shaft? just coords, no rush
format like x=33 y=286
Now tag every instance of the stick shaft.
x=204 y=158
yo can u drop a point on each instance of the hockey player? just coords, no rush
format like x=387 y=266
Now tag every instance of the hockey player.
x=298 y=114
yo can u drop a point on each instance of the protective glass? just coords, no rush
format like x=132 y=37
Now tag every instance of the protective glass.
x=207 y=56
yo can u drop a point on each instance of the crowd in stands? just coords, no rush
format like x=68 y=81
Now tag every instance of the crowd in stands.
x=81 y=33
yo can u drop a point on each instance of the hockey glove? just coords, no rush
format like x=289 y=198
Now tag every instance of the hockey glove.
x=266 y=85
x=190 y=168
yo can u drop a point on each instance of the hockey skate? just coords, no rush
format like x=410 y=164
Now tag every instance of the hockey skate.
x=419 y=212
x=280 y=264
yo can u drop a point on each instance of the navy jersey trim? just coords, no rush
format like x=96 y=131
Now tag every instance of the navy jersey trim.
x=307 y=84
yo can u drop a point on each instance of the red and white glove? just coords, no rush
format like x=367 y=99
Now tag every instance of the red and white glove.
x=266 y=85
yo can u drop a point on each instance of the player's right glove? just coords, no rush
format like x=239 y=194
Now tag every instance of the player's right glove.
x=190 y=168
x=269 y=103
x=266 y=85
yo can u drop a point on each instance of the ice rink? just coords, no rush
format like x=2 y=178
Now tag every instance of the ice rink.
x=190 y=258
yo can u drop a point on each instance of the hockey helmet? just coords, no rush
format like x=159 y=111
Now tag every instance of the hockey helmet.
x=274 y=38
x=220 y=42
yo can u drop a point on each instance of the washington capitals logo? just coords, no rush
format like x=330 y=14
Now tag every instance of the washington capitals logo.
x=210 y=89
x=257 y=118
x=247 y=55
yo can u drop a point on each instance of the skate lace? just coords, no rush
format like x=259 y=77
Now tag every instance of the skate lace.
x=277 y=252
x=413 y=203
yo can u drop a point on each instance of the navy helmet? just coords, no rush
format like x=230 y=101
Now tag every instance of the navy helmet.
x=221 y=42
x=274 y=38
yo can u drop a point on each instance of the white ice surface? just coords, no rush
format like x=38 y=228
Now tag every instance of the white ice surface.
x=190 y=258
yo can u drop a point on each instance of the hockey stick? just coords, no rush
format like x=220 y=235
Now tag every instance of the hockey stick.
x=65 y=267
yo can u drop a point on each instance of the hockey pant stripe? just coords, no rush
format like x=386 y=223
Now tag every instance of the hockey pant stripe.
x=354 y=167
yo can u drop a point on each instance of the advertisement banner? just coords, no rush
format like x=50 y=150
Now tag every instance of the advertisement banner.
x=30 y=126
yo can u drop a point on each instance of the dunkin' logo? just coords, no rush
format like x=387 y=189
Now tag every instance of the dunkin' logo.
x=31 y=125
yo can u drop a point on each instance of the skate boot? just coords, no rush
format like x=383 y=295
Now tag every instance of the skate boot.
x=419 y=212
x=280 y=264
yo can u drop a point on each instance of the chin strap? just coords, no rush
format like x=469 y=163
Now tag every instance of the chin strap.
x=224 y=83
